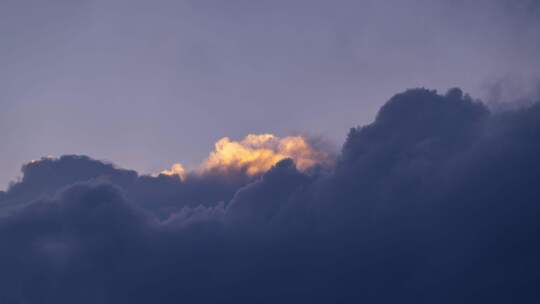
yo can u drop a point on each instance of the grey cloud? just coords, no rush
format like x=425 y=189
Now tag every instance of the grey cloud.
x=436 y=201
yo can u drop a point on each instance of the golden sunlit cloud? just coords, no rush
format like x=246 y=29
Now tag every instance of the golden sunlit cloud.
x=176 y=169
x=257 y=153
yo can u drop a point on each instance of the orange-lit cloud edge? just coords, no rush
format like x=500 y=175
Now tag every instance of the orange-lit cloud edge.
x=256 y=154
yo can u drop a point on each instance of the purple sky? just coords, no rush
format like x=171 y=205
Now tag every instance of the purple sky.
x=148 y=83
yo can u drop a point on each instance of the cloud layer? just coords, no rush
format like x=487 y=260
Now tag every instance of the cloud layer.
x=436 y=201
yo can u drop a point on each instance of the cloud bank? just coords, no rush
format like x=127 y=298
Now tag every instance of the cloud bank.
x=436 y=201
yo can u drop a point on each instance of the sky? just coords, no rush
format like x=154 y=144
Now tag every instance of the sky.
x=129 y=81
x=269 y=151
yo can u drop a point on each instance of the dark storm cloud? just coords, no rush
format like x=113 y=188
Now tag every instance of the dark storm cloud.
x=436 y=201
x=161 y=194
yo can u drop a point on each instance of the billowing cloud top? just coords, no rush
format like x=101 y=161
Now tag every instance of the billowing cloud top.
x=436 y=201
x=256 y=154
x=175 y=170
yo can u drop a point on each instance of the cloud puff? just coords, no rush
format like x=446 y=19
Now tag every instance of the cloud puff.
x=256 y=154
x=176 y=169
x=229 y=166
x=436 y=201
